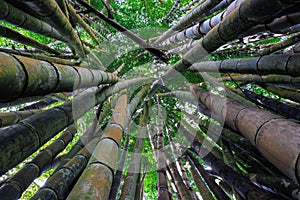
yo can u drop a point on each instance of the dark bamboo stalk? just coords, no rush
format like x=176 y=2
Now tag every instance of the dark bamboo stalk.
x=17 y=184
x=58 y=186
x=40 y=104
x=161 y=55
x=14 y=35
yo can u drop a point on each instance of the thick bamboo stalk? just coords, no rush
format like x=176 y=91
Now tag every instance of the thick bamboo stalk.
x=163 y=189
x=10 y=118
x=96 y=179
x=194 y=15
x=239 y=21
x=17 y=17
x=49 y=11
x=161 y=55
x=286 y=64
x=129 y=111
x=275 y=79
x=58 y=186
x=14 y=35
x=201 y=28
x=30 y=81
x=268 y=132
x=240 y=183
x=276 y=26
x=118 y=174
x=284 y=187
x=38 y=129
x=17 y=184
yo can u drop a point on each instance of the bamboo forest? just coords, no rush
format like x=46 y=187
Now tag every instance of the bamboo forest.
x=150 y=99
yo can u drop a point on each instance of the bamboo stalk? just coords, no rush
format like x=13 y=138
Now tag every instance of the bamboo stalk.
x=53 y=78
x=161 y=55
x=98 y=174
x=58 y=186
x=18 y=183
x=14 y=35
x=134 y=169
x=17 y=17
x=286 y=64
x=256 y=125
x=50 y=12
x=10 y=118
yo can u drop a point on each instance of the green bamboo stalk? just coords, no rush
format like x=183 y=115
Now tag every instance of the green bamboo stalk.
x=14 y=35
x=10 y=118
x=257 y=125
x=283 y=92
x=18 y=183
x=286 y=64
x=239 y=21
x=17 y=17
x=39 y=128
x=81 y=22
x=53 y=78
x=41 y=57
x=49 y=11
x=294 y=38
x=134 y=169
x=97 y=177
x=58 y=186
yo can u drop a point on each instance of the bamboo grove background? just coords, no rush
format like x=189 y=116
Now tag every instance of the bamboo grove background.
x=152 y=99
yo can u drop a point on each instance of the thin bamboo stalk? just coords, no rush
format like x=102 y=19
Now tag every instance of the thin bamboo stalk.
x=14 y=35
x=161 y=55
x=134 y=169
